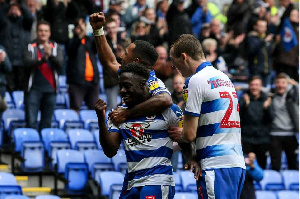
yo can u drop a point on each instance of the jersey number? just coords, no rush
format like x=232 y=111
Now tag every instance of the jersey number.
x=225 y=123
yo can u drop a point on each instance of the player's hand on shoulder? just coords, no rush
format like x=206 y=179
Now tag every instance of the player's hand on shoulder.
x=175 y=133
x=119 y=115
x=97 y=20
x=194 y=167
x=100 y=107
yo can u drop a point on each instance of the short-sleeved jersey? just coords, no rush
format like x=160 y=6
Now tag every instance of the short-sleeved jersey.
x=211 y=96
x=155 y=85
x=148 y=147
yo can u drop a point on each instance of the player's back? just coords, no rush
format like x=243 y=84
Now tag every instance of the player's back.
x=218 y=140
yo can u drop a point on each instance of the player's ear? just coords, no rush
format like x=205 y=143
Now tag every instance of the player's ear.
x=184 y=56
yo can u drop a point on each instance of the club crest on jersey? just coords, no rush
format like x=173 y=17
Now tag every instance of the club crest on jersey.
x=137 y=129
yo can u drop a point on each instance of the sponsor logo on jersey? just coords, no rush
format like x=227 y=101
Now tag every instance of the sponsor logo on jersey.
x=137 y=130
x=153 y=85
x=185 y=93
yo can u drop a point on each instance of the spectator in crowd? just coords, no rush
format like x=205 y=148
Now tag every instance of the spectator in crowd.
x=82 y=71
x=115 y=5
x=15 y=29
x=133 y=13
x=178 y=21
x=5 y=67
x=162 y=67
x=82 y=8
x=162 y=8
x=199 y=14
x=259 y=46
x=210 y=50
x=285 y=106
x=116 y=15
x=215 y=31
x=98 y=5
x=42 y=60
x=178 y=83
x=111 y=83
x=205 y=32
x=256 y=120
x=238 y=15
x=284 y=10
x=253 y=173
x=37 y=16
x=287 y=61
x=259 y=12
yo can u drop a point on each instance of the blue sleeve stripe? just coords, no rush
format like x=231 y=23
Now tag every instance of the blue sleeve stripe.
x=136 y=156
x=191 y=113
x=219 y=150
x=159 y=169
x=176 y=110
x=210 y=129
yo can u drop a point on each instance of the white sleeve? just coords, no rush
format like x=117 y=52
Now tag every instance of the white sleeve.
x=194 y=98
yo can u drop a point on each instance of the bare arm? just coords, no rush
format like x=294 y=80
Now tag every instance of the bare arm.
x=110 y=141
x=152 y=106
x=190 y=124
x=105 y=54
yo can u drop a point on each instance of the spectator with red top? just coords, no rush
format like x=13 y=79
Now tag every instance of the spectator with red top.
x=42 y=60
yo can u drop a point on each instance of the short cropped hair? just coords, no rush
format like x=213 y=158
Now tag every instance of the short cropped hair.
x=255 y=77
x=42 y=22
x=282 y=76
x=145 y=52
x=135 y=68
x=188 y=44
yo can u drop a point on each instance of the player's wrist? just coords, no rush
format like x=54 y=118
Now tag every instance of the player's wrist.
x=98 y=32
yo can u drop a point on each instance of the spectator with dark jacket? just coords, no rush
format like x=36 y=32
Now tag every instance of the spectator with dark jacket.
x=36 y=14
x=256 y=120
x=5 y=67
x=82 y=71
x=14 y=36
x=42 y=60
x=285 y=105
x=178 y=21
x=259 y=46
x=253 y=173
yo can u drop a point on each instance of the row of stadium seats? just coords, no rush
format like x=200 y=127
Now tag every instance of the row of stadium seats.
x=277 y=195
x=9 y=189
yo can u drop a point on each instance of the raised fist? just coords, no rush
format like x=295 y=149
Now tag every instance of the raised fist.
x=97 y=20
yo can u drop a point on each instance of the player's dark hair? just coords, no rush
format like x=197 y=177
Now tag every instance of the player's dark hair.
x=188 y=44
x=145 y=52
x=135 y=68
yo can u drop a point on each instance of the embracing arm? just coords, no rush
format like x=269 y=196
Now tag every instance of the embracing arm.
x=105 y=54
x=110 y=141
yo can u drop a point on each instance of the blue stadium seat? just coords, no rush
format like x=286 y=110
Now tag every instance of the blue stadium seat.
x=62 y=82
x=8 y=185
x=272 y=181
x=265 y=195
x=67 y=119
x=185 y=195
x=61 y=101
x=180 y=161
x=27 y=141
x=188 y=181
x=89 y=118
x=18 y=98
x=13 y=118
x=291 y=179
x=9 y=101
x=178 y=184
x=103 y=97
x=97 y=161
x=119 y=161
x=288 y=194
x=108 y=178
x=115 y=191
x=96 y=138
x=81 y=139
x=54 y=139
x=71 y=163
x=47 y=197
x=16 y=197
x=257 y=185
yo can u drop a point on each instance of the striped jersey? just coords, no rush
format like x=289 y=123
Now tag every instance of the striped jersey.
x=148 y=147
x=211 y=96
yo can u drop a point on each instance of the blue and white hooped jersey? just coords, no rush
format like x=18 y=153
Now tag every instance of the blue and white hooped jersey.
x=211 y=96
x=148 y=147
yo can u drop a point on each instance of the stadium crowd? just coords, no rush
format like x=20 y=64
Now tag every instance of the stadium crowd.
x=256 y=43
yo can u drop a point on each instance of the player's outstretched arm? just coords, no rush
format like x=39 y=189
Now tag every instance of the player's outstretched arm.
x=105 y=54
x=151 y=106
x=110 y=141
